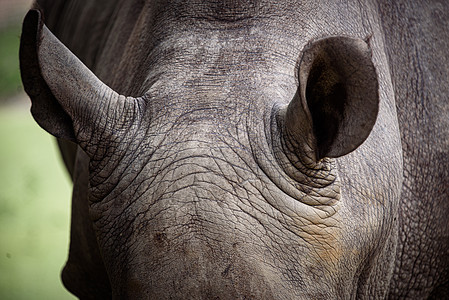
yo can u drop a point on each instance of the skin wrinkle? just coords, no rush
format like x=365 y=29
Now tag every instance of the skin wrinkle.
x=127 y=174
x=124 y=189
x=254 y=205
x=286 y=156
x=132 y=166
x=268 y=230
x=99 y=180
x=283 y=216
x=268 y=173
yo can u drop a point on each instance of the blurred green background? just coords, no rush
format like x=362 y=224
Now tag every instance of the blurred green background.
x=35 y=189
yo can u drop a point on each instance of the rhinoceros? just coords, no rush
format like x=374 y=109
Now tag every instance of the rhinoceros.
x=248 y=149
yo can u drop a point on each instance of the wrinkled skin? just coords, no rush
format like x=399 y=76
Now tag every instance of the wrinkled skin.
x=245 y=161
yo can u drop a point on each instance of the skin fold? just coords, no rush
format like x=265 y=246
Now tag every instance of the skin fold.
x=248 y=149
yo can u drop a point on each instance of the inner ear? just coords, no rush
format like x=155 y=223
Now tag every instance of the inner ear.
x=339 y=90
x=326 y=97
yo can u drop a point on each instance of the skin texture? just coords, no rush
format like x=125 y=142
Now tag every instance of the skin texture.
x=421 y=89
x=236 y=150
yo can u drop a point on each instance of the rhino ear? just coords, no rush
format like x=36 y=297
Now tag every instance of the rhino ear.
x=68 y=100
x=337 y=101
x=46 y=110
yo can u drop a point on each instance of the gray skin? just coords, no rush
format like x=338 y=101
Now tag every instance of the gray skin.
x=263 y=151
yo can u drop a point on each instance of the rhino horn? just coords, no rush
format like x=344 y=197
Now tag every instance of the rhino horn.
x=68 y=100
x=337 y=102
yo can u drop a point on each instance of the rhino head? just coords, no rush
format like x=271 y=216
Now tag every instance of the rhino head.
x=226 y=186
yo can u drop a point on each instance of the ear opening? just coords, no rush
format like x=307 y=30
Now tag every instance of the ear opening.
x=326 y=97
x=339 y=92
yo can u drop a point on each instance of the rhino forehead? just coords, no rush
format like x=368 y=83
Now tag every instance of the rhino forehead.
x=179 y=43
